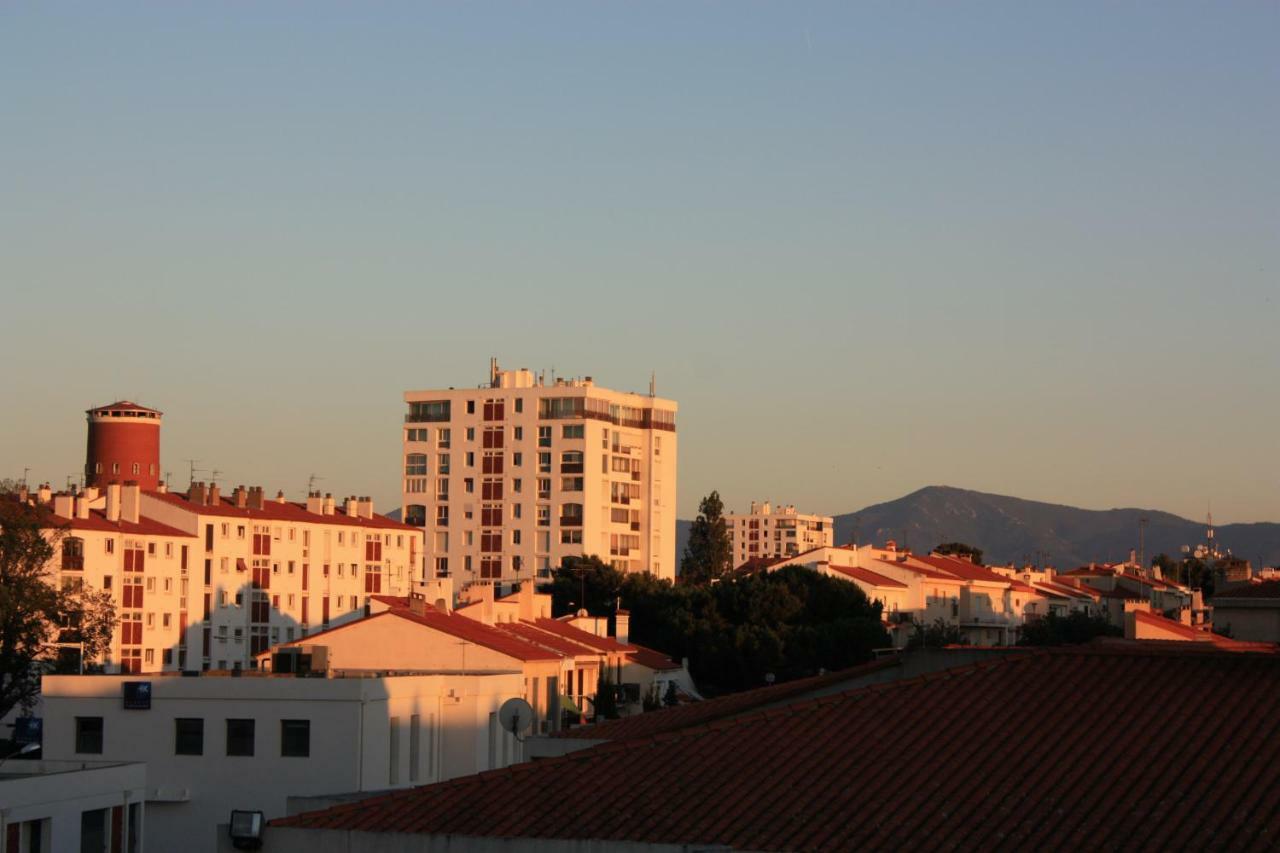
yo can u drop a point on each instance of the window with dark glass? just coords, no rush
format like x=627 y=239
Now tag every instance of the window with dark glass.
x=188 y=736
x=89 y=735
x=295 y=738
x=239 y=737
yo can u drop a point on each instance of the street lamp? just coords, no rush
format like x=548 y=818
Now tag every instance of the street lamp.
x=22 y=750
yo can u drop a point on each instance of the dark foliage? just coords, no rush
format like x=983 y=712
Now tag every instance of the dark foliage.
x=1078 y=627
x=790 y=623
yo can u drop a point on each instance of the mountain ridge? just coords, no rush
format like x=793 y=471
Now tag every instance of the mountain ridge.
x=1014 y=529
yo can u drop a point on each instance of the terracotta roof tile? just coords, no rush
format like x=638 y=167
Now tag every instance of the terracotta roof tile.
x=867 y=576
x=273 y=510
x=879 y=767
x=97 y=520
x=1266 y=589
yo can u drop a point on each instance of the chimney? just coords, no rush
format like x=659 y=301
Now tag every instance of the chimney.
x=280 y=496
x=328 y=503
x=195 y=493
x=91 y=493
x=417 y=603
x=162 y=487
x=622 y=627
x=215 y=494
x=82 y=504
x=62 y=505
x=23 y=493
x=315 y=503
x=113 y=503
x=351 y=507
x=366 y=507
x=44 y=494
x=131 y=502
x=254 y=498
x=241 y=497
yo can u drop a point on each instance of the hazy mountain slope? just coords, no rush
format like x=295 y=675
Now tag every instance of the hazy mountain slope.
x=1009 y=528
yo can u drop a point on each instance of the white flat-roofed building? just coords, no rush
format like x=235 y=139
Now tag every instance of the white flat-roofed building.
x=71 y=805
x=767 y=532
x=214 y=744
x=510 y=478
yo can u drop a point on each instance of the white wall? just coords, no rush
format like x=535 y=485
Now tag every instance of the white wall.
x=349 y=749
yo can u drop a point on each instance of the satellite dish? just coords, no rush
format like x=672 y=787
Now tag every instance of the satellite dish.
x=515 y=716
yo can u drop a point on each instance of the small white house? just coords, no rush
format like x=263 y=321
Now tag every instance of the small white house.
x=214 y=744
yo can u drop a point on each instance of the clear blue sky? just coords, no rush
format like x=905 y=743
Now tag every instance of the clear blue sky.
x=1024 y=248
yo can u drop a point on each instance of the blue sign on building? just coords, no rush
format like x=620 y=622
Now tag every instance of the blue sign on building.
x=137 y=695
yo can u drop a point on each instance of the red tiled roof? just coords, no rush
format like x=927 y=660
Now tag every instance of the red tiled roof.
x=961 y=568
x=722 y=707
x=1119 y=592
x=124 y=406
x=586 y=638
x=1264 y=590
x=546 y=640
x=392 y=600
x=454 y=625
x=273 y=510
x=1189 y=633
x=954 y=758
x=867 y=576
x=926 y=570
x=97 y=520
x=652 y=659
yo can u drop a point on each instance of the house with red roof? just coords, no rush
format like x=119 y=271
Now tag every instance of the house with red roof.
x=988 y=608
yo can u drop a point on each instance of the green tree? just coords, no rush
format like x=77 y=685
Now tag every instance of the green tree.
x=960 y=549
x=35 y=613
x=937 y=635
x=1074 y=628
x=707 y=556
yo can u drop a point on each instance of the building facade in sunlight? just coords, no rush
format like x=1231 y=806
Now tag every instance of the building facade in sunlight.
x=206 y=580
x=510 y=478
x=766 y=532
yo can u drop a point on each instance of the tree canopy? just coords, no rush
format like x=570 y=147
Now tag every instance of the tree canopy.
x=789 y=623
x=1076 y=627
x=35 y=613
x=708 y=554
x=960 y=549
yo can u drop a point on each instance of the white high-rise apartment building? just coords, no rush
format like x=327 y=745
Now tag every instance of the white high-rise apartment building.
x=766 y=533
x=510 y=478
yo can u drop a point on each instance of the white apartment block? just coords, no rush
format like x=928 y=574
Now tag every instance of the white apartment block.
x=768 y=533
x=510 y=478
x=206 y=581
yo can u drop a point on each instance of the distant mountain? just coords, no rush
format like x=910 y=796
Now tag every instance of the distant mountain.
x=1008 y=528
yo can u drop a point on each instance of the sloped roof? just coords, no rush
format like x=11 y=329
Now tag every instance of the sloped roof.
x=274 y=510
x=883 y=767
x=1187 y=632
x=545 y=639
x=720 y=708
x=867 y=576
x=962 y=569
x=123 y=406
x=921 y=569
x=452 y=624
x=585 y=638
x=652 y=659
x=97 y=521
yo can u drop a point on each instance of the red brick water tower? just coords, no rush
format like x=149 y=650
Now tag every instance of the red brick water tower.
x=124 y=445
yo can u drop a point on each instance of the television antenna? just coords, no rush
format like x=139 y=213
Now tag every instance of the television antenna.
x=311 y=483
x=192 y=464
x=515 y=716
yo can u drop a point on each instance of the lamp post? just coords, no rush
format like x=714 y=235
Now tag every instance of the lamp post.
x=22 y=750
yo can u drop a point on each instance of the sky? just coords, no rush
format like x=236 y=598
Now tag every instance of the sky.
x=1031 y=249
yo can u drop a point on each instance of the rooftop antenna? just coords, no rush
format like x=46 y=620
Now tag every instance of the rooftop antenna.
x=168 y=477
x=25 y=472
x=71 y=481
x=213 y=477
x=653 y=383
x=192 y=464
x=311 y=483
x=1142 y=542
